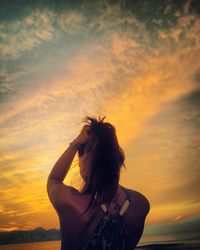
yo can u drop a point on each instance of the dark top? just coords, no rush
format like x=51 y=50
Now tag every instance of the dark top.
x=110 y=233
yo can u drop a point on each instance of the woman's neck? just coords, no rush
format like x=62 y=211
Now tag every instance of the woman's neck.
x=108 y=192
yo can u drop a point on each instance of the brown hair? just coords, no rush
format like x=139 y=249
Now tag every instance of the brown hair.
x=106 y=158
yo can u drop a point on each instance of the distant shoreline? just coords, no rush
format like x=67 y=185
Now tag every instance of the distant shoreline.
x=53 y=236
x=28 y=236
x=153 y=246
x=166 y=246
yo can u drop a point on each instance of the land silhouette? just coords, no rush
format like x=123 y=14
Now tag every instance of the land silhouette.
x=24 y=236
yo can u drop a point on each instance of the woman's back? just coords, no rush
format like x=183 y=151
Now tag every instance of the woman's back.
x=118 y=227
x=110 y=232
x=100 y=160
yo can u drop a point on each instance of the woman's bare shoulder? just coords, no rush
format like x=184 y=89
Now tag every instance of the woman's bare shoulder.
x=139 y=199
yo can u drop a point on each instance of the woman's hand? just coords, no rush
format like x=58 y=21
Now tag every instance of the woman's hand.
x=83 y=137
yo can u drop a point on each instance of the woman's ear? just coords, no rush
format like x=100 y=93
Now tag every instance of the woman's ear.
x=88 y=131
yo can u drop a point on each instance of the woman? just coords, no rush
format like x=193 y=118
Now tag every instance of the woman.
x=104 y=214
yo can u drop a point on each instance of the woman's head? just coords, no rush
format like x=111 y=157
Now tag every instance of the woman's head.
x=100 y=160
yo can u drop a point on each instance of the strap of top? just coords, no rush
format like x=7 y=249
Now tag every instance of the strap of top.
x=123 y=208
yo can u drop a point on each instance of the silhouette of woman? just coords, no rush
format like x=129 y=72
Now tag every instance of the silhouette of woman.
x=104 y=214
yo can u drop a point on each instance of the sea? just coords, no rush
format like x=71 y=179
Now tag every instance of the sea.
x=173 y=241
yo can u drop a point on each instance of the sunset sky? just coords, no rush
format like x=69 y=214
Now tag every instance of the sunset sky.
x=135 y=62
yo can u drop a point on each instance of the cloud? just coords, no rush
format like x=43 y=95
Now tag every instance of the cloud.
x=186 y=7
x=187 y=225
x=167 y=151
x=26 y=34
x=178 y=218
x=72 y=22
x=109 y=64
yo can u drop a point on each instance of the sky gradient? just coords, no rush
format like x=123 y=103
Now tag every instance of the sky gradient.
x=137 y=63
